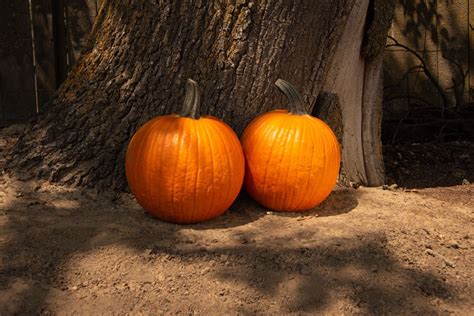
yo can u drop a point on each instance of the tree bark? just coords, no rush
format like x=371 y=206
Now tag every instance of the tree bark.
x=142 y=52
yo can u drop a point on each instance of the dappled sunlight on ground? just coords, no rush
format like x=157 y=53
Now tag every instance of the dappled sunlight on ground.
x=366 y=250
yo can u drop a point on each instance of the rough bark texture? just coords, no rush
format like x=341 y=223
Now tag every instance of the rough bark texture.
x=328 y=109
x=143 y=52
x=379 y=20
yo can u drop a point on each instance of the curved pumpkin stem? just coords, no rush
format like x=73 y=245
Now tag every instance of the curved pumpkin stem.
x=192 y=100
x=296 y=105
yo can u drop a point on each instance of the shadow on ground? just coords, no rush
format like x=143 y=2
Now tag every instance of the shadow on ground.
x=43 y=231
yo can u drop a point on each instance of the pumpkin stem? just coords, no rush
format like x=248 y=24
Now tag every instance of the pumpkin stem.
x=192 y=100
x=296 y=105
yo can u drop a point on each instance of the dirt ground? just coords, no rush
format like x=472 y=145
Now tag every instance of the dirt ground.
x=366 y=250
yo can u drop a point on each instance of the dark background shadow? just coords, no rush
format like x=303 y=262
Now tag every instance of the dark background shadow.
x=437 y=115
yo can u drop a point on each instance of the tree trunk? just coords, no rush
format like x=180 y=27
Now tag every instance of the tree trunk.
x=143 y=51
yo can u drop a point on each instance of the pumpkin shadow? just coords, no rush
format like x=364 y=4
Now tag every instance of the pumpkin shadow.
x=244 y=210
x=341 y=201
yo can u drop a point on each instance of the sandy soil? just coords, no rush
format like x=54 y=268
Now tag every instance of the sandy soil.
x=365 y=250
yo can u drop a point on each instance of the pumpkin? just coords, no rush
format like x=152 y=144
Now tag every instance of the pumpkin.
x=184 y=168
x=292 y=158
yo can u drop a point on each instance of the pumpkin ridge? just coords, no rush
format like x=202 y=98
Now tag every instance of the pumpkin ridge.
x=135 y=142
x=191 y=202
x=145 y=187
x=290 y=144
x=186 y=163
x=187 y=143
x=209 y=141
x=198 y=160
x=246 y=137
x=141 y=152
x=309 y=127
x=176 y=166
x=325 y=180
x=298 y=158
x=322 y=177
x=148 y=187
x=160 y=163
x=278 y=173
x=278 y=132
x=226 y=152
x=220 y=162
x=143 y=183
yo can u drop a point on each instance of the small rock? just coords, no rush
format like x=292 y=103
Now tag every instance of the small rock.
x=269 y=213
x=453 y=244
x=430 y=252
x=448 y=263
x=354 y=185
x=302 y=218
x=148 y=252
x=245 y=240
x=374 y=268
x=74 y=288
x=465 y=182
x=393 y=187
x=205 y=270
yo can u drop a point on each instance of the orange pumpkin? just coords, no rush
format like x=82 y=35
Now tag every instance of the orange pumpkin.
x=292 y=158
x=185 y=169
